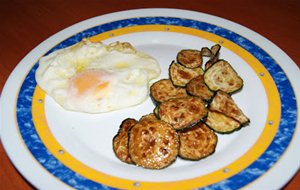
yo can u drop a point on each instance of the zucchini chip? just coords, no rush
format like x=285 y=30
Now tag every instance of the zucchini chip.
x=189 y=58
x=181 y=75
x=150 y=116
x=215 y=49
x=120 y=141
x=153 y=144
x=183 y=112
x=221 y=123
x=197 y=142
x=223 y=102
x=205 y=51
x=221 y=76
x=197 y=87
x=163 y=90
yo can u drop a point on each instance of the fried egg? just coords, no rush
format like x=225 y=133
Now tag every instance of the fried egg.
x=94 y=77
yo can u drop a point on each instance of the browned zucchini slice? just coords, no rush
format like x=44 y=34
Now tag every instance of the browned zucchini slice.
x=150 y=116
x=181 y=75
x=197 y=87
x=164 y=90
x=205 y=51
x=223 y=102
x=182 y=112
x=221 y=123
x=197 y=142
x=120 y=140
x=189 y=58
x=215 y=49
x=221 y=76
x=153 y=144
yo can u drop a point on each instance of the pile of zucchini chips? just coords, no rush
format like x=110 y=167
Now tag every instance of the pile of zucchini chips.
x=191 y=106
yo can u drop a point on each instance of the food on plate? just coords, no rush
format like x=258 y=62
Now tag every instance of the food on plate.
x=213 y=53
x=206 y=52
x=94 y=77
x=150 y=116
x=190 y=58
x=197 y=142
x=153 y=144
x=221 y=76
x=197 y=87
x=120 y=140
x=221 y=123
x=190 y=108
x=215 y=49
x=181 y=75
x=164 y=90
x=222 y=102
x=182 y=113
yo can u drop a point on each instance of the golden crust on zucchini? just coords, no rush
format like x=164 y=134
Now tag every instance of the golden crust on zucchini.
x=197 y=142
x=182 y=112
x=190 y=58
x=164 y=90
x=150 y=116
x=153 y=144
x=221 y=76
x=181 y=75
x=223 y=102
x=221 y=123
x=120 y=140
x=197 y=87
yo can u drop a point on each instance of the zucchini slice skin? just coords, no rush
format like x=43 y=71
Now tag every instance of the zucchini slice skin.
x=153 y=144
x=197 y=87
x=190 y=58
x=221 y=123
x=164 y=90
x=182 y=113
x=120 y=140
x=210 y=62
x=181 y=75
x=222 y=102
x=222 y=76
x=191 y=107
x=197 y=142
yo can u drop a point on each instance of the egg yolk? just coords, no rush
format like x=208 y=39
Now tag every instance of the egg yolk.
x=90 y=80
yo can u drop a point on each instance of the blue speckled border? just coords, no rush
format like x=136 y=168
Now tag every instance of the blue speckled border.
x=280 y=142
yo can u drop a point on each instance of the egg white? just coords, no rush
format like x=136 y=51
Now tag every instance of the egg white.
x=93 y=77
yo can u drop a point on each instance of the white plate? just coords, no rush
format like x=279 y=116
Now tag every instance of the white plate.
x=57 y=149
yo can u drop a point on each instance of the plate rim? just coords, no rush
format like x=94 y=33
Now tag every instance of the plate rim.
x=271 y=47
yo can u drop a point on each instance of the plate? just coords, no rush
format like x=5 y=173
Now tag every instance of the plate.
x=60 y=149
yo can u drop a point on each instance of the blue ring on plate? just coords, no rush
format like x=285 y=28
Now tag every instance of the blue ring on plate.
x=277 y=147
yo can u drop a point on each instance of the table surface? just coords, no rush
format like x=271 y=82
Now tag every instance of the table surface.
x=25 y=24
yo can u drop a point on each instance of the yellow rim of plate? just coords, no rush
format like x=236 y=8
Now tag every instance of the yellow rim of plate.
x=265 y=138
